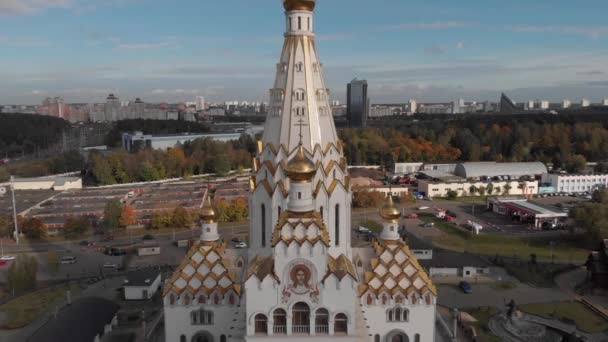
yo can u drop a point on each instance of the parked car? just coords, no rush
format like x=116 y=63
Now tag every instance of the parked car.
x=7 y=258
x=412 y=216
x=240 y=245
x=84 y=243
x=148 y=237
x=68 y=260
x=429 y=225
x=423 y=208
x=235 y=240
x=465 y=287
x=114 y=251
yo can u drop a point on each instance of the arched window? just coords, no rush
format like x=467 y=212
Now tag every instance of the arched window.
x=223 y=338
x=370 y=300
x=398 y=314
x=321 y=211
x=308 y=23
x=172 y=299
x=290 y=24
x=377 y=338
x=239 y=263
x=231 y=299
x=201 y=299
x=263 y=209
x=359 y=263
x=279 y=211
x=299 y=195
x=280 y=322
x=389 y=314
x=300 y=318
x=261 y=324
x=428 y=299
x=405 y=315
x=417 y=338
x=182 y=338
x=299 y=23
x=399 y=300
x=216 y=299
x=337 y=225
x=322 y=322
x=186 y=300
x=341 y=324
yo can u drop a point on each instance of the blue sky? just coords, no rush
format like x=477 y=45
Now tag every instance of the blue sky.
x=226 y=49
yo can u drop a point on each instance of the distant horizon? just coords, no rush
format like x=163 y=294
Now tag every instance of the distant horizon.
x=82 y=50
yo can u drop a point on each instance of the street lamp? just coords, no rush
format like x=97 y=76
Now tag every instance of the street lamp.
x=14 y=210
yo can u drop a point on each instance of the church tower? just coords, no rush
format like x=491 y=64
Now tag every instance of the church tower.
x=299 y=120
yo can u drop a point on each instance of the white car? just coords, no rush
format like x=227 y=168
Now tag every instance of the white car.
x=110 y=265
x=423 y=208
x=240 y=245
x=7 y=258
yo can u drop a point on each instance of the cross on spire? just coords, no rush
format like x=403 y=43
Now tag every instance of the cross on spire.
x=300 y=123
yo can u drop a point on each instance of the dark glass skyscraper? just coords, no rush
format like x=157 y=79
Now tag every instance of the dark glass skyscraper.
x=357 y=103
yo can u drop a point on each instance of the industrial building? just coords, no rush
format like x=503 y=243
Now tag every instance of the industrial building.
x=575 y=183
x=432 y=188
x=479 y=170
x=136 y=141
x=520 y=209
x=57 y=183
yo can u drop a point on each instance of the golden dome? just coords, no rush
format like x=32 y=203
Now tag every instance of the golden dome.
x=208 y=212
x=299 y=5
x=300 y=168
x=389 y=212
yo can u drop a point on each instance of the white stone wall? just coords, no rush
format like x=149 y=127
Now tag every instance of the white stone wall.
x=137 y=292
x=575 y=183
x=438 y=189
x=228 y=320
x=421 y=321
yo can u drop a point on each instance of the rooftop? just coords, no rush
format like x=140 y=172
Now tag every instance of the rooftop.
x=142 y=277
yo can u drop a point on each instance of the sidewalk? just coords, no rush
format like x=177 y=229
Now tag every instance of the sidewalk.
x=569 y=280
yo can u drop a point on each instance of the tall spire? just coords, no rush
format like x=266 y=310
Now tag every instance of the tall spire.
x=299 y=110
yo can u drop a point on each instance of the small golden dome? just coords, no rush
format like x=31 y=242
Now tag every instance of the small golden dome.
x=299 y=5
x=208 y=212
x=389 y=212
x=300 y=168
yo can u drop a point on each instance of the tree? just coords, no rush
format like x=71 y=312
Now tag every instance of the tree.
x=593 y=217
x=507 y=189
x=576 y=164
x=128 y=217
x=497 y=189
x=481 y=190
x=490 y=188
x=452 y=194
x=52 y=260
x=33 y=228
x=75 y=227
x=22 y=273
x=6 y=226
x=4 y=175
x=599 y=168
x=161 y=219
x=181 y=217
x=472 y=190
x=367 y=199
x=112 y=214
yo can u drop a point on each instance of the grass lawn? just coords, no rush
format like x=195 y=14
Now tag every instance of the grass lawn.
x=503 y=285
x=569 y=312
x=23 y=310
x=458 y=239
x=483 y=314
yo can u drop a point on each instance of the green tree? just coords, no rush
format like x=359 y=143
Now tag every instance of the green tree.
x=4 y=175
x=490 y=188
x=576 y=164
x=481 y=190
x=181 y=217
x=593 y=217
x=472 y=190
x=147 y=172
x=111 y=214
x=161 y=219
x=33 y=228
x=507 y=189
x=452 y=194
x=6 y=226
x=75 y=227
x=22 y=273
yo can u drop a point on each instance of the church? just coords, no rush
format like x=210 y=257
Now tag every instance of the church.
x=300 y=279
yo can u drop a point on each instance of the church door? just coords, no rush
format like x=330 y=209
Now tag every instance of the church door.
x=301 y=319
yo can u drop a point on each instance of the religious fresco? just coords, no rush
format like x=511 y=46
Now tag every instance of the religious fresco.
x=301 y=283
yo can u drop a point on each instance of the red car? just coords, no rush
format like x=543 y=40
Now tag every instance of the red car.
x=449 y=218
x=412 y=216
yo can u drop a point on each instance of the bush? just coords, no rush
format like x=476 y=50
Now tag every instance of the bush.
x=33 y=228
x=452 y=194
x=22 y=273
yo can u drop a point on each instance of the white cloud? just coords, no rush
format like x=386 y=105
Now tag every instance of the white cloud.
x=145 y=46
x=25 y=7
x=589 y=31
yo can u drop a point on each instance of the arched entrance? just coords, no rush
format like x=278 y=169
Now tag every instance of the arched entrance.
x=280 y=322
x=397 y=336
x=300 y=323
x=202 y=336
x=261 y=324
x=340 y=324
x=322 y=322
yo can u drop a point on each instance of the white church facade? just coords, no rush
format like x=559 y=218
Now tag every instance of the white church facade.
x=300 y=279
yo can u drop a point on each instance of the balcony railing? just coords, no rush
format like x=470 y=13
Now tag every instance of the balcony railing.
x=300 y=329
x=322 y=329
x=279 y=330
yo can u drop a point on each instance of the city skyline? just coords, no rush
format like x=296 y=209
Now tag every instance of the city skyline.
x=174 y=52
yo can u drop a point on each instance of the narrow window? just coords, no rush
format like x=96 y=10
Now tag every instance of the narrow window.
x=308 y=23
x=279 y=210
x=321 y=211
x=290 y=24
x=299 y=23
x=337 y=223
x=263 y=225
x=299 y=195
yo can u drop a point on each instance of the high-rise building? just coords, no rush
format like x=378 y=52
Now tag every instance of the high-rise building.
x=300 y=279
x=413 y=106
x=112 y=108
x=585 y=103
x=544 y=104
x=566 y=104
x=357 y=103
x=530 y=105
x=200 y=103
x=605 y=102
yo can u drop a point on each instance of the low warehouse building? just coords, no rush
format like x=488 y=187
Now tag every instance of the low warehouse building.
x=48 y=183
x=142 y=284
x=527 y=212
x=471 y=188
x=494 y=169
x=575 y=183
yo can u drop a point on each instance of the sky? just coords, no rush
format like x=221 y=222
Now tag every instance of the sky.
x=430 y=50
